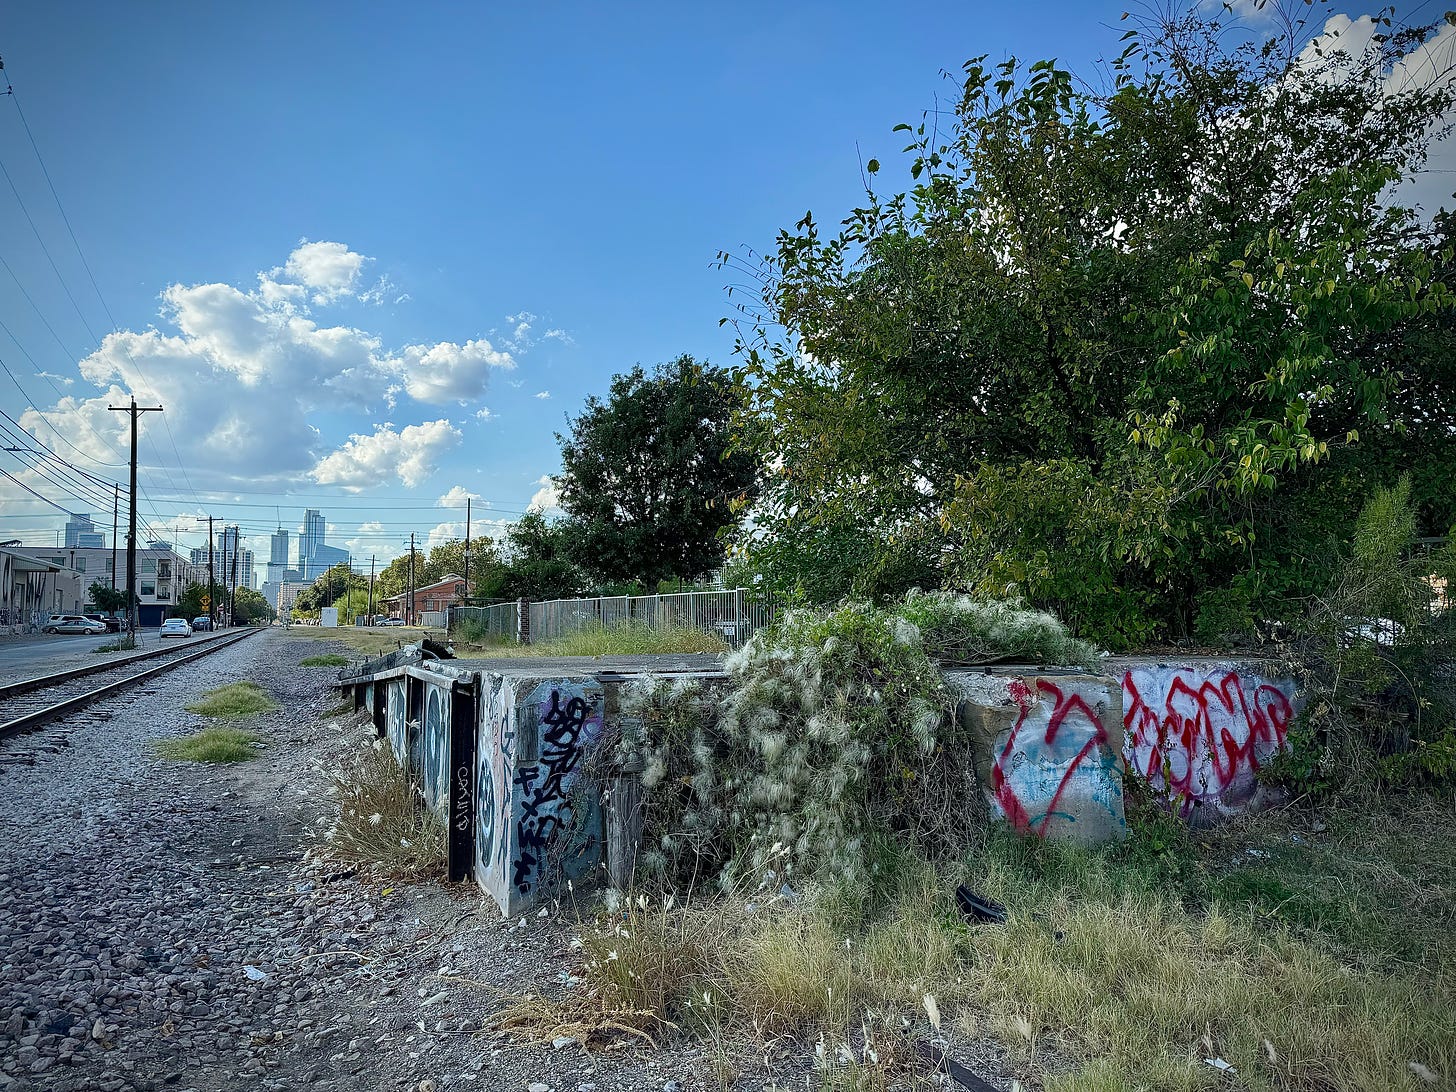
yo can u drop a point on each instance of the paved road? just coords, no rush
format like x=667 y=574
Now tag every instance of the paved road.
x=35 y=654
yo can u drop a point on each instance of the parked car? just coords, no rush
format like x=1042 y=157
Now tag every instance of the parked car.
x=175 y=627
x=112 y=624
x=392 y=622
x=202 y=622
x=73 y=623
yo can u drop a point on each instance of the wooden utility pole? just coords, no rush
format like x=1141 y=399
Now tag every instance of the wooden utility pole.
x=131 y=570
x=370 y=620
x=211 y=581
x=467 y=551
x=115 y=511
x=233 y=579
x=410 y=614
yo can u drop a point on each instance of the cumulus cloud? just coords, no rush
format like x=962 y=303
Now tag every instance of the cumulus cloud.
x=410 y=455
x=547 y=498
x=330 y=270
x=444 y=532
x=448 y=372
x=242 y=373
x=456 y=496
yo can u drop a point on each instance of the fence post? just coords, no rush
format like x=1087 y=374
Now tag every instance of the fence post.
x=523 y=621
x=623 y=800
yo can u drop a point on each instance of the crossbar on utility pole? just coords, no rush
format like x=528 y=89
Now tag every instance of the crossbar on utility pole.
x=131 y=573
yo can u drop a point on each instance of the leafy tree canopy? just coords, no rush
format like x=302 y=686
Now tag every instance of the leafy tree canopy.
x=107 y=598
x=534 y=560
x=649 y=478
x=330 y=585
x=1116 y=346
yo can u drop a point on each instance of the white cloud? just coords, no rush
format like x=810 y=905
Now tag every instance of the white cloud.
x=241 y=373
x=547 y=498
x=558 y=335
x=484 y=414
x=411 y=455
x=331 y=270
x=448 y=372
x=543 y=394
x=444 y=532
x=456 y=497
x=54 y=378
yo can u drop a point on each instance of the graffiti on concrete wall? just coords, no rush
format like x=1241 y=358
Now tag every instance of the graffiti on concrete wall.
x=1199 y=735
x=554 y=829
x=1056 y=771
x=397 y=719
x=434 y=749
x=495 y=757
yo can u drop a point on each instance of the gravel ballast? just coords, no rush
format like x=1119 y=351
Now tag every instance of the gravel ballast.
x=172 y=925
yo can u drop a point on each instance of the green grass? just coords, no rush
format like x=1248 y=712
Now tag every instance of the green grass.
x=211 y=745
x=1324 y=962
x=630 y=639
x=332 y=659
x=239 y=699
x=125 y=644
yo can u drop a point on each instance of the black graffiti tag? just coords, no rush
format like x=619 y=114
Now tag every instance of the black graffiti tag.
x=544 y=785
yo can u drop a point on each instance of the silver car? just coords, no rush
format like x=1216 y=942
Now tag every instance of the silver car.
x=73 y=623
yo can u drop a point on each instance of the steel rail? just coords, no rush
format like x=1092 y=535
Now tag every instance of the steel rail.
x=40 y=682
x=69 y=705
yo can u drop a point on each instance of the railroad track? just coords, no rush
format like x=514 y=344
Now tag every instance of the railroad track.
x=30 y=703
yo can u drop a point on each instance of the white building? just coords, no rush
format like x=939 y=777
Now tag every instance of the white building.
x=162 y=576
x=33 y=588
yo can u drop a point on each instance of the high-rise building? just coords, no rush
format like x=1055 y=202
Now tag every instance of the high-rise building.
x=278 y=573
x=315 y=557
x=226 y=547
x=82 y=533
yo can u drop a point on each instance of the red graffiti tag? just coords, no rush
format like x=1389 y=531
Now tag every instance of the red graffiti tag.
x=1203 y=739
x=1087 y=731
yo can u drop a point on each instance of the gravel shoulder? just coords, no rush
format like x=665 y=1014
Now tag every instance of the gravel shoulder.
x=171 y=925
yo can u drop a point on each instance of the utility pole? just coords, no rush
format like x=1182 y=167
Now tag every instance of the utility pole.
x=115 y=511
x=131 y=573
x=211 y=580
x=233 y=579
x=410 y=614
x=371 y=591
x=467 y=551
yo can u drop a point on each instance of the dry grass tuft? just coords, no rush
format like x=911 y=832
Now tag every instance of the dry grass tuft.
x=592 y=1020
x=211 y=745
x=239 y=699
x=383 y=822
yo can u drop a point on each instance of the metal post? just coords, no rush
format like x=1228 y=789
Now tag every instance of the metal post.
x=410 y=613
x=115 y=509
x=370 y=619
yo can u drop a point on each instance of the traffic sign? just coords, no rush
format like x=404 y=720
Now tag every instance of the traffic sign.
x=206 y=602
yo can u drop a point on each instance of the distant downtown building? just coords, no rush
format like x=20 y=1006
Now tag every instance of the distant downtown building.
x=284 y=577
x=226 y=548
x=80 y=531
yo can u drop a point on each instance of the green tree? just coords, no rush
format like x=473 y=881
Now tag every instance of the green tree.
x=250 y=606
x=328 y=587
x=649 y=477
x=535 y=561
x=1114 y=349
x=189 y=603
x=108 y=599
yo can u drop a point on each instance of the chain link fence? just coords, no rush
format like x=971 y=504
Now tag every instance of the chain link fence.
x=734 y=615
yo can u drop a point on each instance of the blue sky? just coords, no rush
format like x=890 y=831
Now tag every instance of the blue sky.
x=370 y=256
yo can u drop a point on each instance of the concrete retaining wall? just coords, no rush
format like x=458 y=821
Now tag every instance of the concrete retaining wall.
x=1048 y=751
x=1198 y=731
x=508 y=752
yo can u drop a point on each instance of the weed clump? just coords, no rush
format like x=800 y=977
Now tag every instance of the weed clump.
x=383 y=822
x=239 y=699
x=332 y=659
x=961 y=630
x=211 y=745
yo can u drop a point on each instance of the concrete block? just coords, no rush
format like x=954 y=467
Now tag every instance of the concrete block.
x=1047 y=751
x=1199 y=731
x=537 y=823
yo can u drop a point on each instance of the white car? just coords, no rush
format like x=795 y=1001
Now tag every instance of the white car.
x=176 y=627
